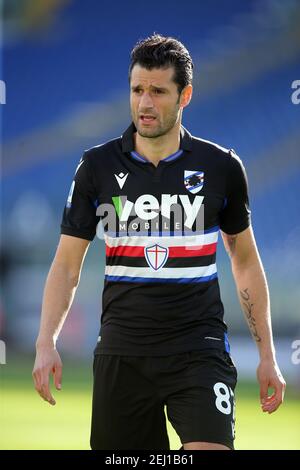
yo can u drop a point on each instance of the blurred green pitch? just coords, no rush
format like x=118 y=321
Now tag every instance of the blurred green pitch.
x=27 y=422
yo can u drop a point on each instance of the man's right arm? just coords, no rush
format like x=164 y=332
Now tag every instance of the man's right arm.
x=60 y=288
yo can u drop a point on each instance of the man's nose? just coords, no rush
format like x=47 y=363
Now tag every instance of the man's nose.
x=146 y=101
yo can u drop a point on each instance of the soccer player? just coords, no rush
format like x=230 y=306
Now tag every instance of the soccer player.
x=161 y=197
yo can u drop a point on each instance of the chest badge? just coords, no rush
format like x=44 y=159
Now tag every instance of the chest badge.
x=156 y=256
x=193 y=180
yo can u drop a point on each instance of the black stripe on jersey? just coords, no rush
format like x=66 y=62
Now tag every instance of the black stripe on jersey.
x=190 y=262
x=140 y=262
x=134 y=261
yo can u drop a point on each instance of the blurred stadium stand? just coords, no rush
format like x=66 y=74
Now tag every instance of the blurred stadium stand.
x=65 y=65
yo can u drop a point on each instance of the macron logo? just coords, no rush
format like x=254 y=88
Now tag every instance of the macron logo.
x=121 y=178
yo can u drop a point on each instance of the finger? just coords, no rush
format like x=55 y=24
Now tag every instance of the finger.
x=51 y=402
x=271 y=408
x=46 y=394
x=45 y=390
x=41 y=389
x=273 y=402
x=277 y=397
x=42 y=396
x=264 y=385
x=57 y=376
x=36 y=379
x=270 y=399
x=269 y=402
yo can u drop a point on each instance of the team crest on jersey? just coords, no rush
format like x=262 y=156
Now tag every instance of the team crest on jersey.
x=193 y=180
x=156 y=256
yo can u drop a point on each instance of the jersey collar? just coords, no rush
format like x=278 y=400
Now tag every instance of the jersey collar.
x=128 y=144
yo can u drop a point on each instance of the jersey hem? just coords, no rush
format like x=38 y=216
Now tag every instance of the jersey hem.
x=204 y=344
x=77 y=233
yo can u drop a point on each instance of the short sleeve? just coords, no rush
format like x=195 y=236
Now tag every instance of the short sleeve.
x=235 y=215
x=79 y=216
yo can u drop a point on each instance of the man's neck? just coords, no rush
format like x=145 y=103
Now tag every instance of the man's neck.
x=156 y=149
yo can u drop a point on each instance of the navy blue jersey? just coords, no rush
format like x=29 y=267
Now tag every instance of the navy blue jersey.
x=160 y=225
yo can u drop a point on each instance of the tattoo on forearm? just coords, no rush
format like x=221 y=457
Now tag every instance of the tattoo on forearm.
x=248 y=308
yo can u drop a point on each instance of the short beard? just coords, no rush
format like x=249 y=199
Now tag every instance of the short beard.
x=155 y=134
x=161 y=130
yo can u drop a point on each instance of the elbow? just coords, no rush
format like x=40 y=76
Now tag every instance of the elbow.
x=73 y=279
x=66 y=274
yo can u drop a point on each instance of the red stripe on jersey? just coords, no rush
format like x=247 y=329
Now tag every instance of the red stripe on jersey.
x=174 y=251
x=125 y=250
x=189 y=251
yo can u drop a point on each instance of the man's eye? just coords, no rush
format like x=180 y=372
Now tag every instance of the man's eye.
x=158 y=92
x=137 y=91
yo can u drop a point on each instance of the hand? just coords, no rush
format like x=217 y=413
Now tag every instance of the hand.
x=269 y=376
x=47 y=362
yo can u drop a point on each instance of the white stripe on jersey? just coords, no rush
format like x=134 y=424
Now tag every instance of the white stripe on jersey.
x=166 y=241
x=166 y=273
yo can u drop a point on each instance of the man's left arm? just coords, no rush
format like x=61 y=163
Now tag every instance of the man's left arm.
x=253 y=294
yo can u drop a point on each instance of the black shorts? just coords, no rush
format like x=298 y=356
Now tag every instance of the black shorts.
x=131 y=393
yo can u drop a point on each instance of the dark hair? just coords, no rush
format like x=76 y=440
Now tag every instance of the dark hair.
x=159 y=51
